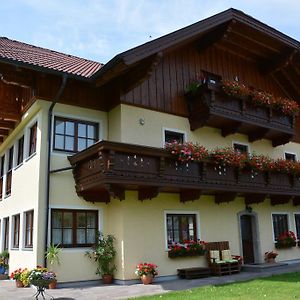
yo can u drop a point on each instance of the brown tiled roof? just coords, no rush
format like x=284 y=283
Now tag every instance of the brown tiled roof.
x=34 y=56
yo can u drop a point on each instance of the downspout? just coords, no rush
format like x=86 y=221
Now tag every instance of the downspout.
x=50 y=114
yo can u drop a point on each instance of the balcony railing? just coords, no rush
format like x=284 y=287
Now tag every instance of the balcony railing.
x=108 y=169
x=212 y=107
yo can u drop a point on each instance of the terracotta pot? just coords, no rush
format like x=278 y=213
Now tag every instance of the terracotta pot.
x=52 y=284
x=147 y=279
x=107 y=278
x=19 y=284
x=271 y=260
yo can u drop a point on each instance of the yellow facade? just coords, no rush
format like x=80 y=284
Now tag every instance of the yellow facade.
x=139 y=227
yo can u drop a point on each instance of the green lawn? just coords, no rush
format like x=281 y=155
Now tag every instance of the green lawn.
x=283 y=287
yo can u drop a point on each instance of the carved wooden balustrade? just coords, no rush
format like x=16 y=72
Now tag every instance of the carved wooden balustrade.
x=212 y=107
x=108 y=169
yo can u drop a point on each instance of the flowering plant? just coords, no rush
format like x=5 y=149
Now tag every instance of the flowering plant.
x=234 y=88
x=270 y=255
x=188 y=248
x=286 y=240
x=228 y=156
x=195 y=85
x=146 y=269
x=41 y=276
x=16 y=274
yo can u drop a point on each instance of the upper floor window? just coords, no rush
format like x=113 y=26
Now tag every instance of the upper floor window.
x=74 y=228
x=241 y=148
x=172 y=136
x=74 y=135
x=20 y=150
x=32 y=139
x=181 y=227
x=280 y=224
x=29 y=229
x=290 y=156
x=9 y=170
x=2 y=161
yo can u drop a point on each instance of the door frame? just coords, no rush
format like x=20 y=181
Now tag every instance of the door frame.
x=258 y=257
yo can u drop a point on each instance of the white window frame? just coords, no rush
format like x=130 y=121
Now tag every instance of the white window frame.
x=78 y=118
x=242 y=144
x=24 y=248
x=26 y=133
x=12 y=232
x=292 y=153
x=280 y=213
x=181 y=212
x=164 y=129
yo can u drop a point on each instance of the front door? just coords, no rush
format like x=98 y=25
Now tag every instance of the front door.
x=247 y=239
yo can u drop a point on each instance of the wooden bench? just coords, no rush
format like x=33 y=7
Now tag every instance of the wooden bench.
x=191 y=273
x=219 y=265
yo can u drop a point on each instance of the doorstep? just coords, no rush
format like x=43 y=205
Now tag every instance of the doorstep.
x=263 y=267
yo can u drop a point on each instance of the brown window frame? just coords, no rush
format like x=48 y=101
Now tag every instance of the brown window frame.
x=32 y=139
x=20 y=156
x=6 y=233
x=29 y=220
x=9 y=171
x=182 y=231
x=16 y=231
x=2 y=161
x=74 y=212
x=278 y=226
x=76 y=137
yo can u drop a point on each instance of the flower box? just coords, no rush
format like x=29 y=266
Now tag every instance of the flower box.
x=172 y=254
x=279 y=180
x=281 y=119
x=252 y=177
x=257 y=111
x=281 y=245
x=218 y=172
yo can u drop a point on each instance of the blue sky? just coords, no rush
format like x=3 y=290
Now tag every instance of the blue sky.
x=100 y=29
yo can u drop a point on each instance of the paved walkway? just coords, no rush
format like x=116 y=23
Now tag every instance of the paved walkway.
x=9 y=291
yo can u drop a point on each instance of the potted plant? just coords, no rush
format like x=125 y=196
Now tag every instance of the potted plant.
x=16 y=275
x=103 y=253
x=41 y=277
x=270 y=256
x=24 y=277
x=4 y=261
x=146 y=272
x=52 y=256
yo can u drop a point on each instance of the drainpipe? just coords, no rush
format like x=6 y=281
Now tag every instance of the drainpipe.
x=50 y=114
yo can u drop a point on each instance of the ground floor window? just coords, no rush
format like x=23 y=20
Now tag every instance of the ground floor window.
x=28 y=229
x=74 y=228
x=6 y=233
x=280 y=224
x=181 y=227
x=16 y=231
x=297 y=224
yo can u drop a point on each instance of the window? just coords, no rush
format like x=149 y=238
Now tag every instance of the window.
x=9 y=171
x=297 y=224
x=290 y=156
x=20 y=150
x=16 y=231
x=29 y=229
x=171 y=136
x=32 y=139
x=74 y=228
x=6 y=233
x=181 y=227
x=242 y=148
x=74 y=135
x=2 y=161
x=280 y=224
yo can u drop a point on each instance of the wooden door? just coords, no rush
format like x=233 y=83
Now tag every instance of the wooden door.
x=247 y=239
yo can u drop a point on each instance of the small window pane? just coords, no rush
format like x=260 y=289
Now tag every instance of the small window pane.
x=82 y=130
x=81 y=144
x=90 y=220
x=57 y=220
x=81 y=236
x=172 y=136
x=67 y=236
x=59 y=141
x=68 y=219
x=59 y=126
x=91 y=132
x=56 y=236
x=90 y=143
x=81 y=220
x=70 y=128
x=91 y=236
x=69 y=143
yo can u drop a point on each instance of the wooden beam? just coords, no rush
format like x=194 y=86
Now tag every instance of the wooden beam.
x=294 y=85
x=95 y=196
x=284 y=139
x=254 y=198
x=189 y=195
x=231 y=128
x=7 y=124
x=225 y=197
x=4 y=132
x=258 y=135
x=280 y=199
x=115 y=191
x=278 y=62
x=296 y=201
x=147 y=192
x=283 y=88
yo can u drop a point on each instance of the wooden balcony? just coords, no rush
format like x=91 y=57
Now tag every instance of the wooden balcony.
x=108 y=169
x=212 y=107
